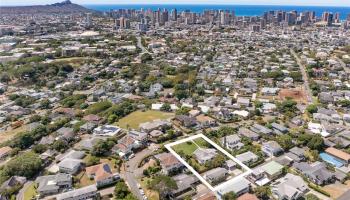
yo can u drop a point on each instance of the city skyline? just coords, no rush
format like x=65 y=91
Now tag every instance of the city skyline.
x=338 y=3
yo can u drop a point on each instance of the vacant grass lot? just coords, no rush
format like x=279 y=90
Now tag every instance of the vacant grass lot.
x=133 y=120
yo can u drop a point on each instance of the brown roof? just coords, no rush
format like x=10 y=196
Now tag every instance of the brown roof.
x=5 y=150
x=127 y=140
x=100 y=172
x=92 y=118
x=207 y=196
x=338 y=153
x=167 y=159
x=204 y=118
x=247 y=196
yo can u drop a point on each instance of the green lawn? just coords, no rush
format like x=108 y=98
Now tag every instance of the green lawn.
x=30 y=192
x=133 y=120
x=201 y=142
x=187 y=148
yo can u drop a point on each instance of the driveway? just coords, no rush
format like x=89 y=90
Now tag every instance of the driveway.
x=131 y=172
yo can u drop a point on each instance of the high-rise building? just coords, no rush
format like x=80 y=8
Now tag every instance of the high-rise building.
x=222 y=18
x=325 y=16
x=124 y=23
x=337 y=17
x=291 y=18
x=88 y=20
x=348 y=18
x=174 y=15
x=330 y=19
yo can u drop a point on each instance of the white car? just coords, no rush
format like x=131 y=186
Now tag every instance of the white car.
x=142 y=192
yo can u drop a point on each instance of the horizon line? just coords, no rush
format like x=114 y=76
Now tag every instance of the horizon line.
x=196 y=4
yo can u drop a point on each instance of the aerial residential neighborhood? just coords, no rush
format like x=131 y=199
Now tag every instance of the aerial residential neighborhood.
x=165 y=102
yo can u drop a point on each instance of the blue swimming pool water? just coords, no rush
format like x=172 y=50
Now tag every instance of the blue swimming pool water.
x=331 y=159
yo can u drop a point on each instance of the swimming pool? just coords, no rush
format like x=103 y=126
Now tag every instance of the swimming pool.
x=331 y=159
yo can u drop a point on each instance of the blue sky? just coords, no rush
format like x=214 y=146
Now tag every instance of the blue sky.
x=241 y=2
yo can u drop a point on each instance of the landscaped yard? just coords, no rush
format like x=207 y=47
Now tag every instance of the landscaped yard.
x=187 y=148
x=83 y=180
x=30 y=192
x=133 y=120
x=201 y=143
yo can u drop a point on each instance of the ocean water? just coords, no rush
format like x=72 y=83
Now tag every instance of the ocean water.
x=240 y=10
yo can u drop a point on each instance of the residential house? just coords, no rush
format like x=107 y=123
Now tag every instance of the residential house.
x=53 y=184
x=248 y=133
x=169 y=163
x=289 y=187
x=185 y=121
x=232 y=142
x=205 y=121
x=102 y=174
x=87 y=192
x=239 y=186
x=272 y=169
x=13 y=181
x=247 y=157
x=243 y=102
x=93 y=119
x=316 y=172
x=70 y=165
x=106 y=130
x=88 y=143
x=154 y=125
x=88 y=127
x=298 y=152
x=126 y=145
x=343 y=156
x=279 y=129
x=185 y=185
x=66 y=133
x=230 y=165
x=140 y=136
x=215 y=175
x=204 y=155
x=271 y=148
x=260 y=129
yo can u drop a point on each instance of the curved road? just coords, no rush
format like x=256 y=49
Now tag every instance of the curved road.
x=131 y=172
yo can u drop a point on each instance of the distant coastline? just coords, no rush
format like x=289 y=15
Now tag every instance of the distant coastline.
x=240 y=10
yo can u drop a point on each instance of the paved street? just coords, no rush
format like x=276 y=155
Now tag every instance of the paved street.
x=131 y=172
x=305 y=77
x=139 y=44
x=346 y=69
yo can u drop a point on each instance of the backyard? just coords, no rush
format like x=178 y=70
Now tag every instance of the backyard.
x=133 y=120
x=9 y=134
x=189 y=147
x=30 y=192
